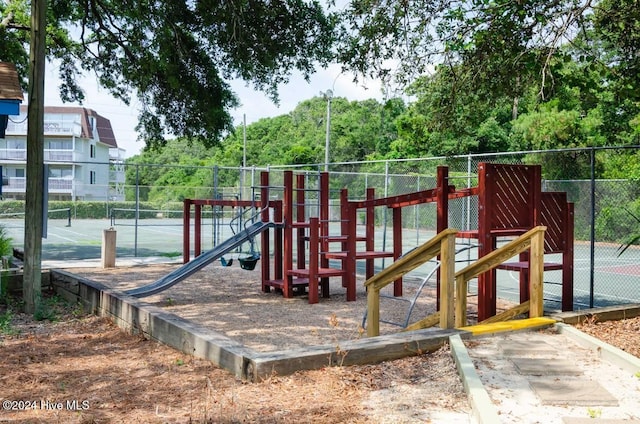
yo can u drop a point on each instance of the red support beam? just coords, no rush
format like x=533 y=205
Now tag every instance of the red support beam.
x=397 y=246
x=314 y=243
x=197 y=229
x=370 y=232
x=442 y=221
x=287 y=288
x=350 y=259
x=264 y=239
x=186 y=243
x=300 y=218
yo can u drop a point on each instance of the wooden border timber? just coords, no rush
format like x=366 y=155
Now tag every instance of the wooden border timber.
x=186 y=336
x=533 y=240
x=442 y=244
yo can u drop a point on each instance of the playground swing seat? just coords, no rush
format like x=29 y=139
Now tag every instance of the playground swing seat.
x=249 y=262
x=246 y=262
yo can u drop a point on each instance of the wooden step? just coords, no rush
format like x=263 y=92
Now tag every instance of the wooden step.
x=322 y=272
x=360 y=255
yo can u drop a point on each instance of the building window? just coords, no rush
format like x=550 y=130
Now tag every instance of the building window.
x=16 y=144
x=54 y=144
x=93 y=151
x=92 y=177
x=66 y=173
x=20 y=173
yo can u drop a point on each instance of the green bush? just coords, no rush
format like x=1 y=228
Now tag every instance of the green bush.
x=95 y=210
x=5 y=242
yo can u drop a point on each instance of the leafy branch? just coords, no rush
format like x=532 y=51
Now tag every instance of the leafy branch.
x=633 y=238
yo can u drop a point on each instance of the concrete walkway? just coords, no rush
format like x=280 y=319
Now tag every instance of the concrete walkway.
x=551 y=376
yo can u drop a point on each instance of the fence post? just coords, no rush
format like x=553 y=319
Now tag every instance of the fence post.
x=137 y=214
x=593 y=227
x=108 y=248
x=447 y=277
x=536 y=305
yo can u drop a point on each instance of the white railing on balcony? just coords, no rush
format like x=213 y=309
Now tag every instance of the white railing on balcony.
x=49 y=155
x=13 y=154
x=59 y=155
x=66 y=186
x=60 y=184
x=16 y=184
x=116 y=176
x=54 y=127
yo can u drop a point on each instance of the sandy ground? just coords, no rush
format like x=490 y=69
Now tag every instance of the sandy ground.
x=596 y=383
x=129 y=379
x=85 y=370
x=230 y=300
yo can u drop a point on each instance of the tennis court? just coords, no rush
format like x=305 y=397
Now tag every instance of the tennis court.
x=616 y=278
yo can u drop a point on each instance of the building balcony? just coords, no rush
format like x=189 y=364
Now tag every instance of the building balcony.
x=56 y=185
x=49 y=155
x=117 y=177
x=64 y=188
x=66 y=128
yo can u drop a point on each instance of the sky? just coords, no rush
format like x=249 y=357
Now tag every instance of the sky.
x=254 y=104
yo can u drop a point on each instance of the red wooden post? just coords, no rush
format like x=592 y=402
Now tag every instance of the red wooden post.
x=277 y=242
x=314 y=243
x=300 y=217
x=350 y=259
x=370 y=232
x=397 y=246
x=186 y=243
x=442 y=211
x=197 y=222
x=324 y=217
x=288 y=233
x=324 y=226
x=264 y=239
x=344 y=226
x=486 y=281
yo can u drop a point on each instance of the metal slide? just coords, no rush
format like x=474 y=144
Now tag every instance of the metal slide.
x=201 y=261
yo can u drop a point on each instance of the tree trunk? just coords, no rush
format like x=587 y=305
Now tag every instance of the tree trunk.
x=33 y=220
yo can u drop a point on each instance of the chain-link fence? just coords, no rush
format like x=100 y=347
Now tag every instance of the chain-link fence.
x=146 y=209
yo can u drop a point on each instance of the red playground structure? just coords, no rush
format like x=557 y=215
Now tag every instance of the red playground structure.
x=299 y=254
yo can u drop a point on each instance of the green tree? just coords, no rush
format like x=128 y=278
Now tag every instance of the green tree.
x=359 y=130
x=175 y=56
x=171 y=174
x=451 y=116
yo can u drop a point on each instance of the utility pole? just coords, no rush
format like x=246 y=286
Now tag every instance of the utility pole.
x=33 y=219
x=328 y=95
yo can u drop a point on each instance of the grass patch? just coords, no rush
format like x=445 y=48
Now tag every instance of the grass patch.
x=5 y=323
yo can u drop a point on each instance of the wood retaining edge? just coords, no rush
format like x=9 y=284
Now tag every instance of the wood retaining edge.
x=138 y=317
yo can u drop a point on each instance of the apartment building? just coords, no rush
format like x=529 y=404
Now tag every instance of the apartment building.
x=80 y=151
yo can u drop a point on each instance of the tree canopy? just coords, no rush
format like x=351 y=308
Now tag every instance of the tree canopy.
x=176 y=56
x=502 y=42
x=486 y=75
